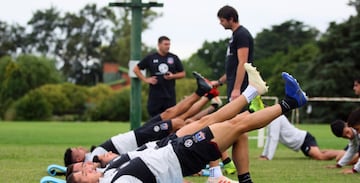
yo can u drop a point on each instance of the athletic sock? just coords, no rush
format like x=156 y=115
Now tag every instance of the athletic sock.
x=250 y=93
x=200 y=92
x=287 y=104
x=226 y=161
x=215 y=171
x=245 y=178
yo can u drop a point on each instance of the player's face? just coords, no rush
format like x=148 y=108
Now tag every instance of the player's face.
x=87 y=176
x=85 y=166
x=164 y=46
x=78 y=154
x=225 y=23
x=348 y=133
x=356 y=88
x=107 y=157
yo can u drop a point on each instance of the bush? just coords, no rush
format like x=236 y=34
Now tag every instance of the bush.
x=33 y=106
x=115 y=107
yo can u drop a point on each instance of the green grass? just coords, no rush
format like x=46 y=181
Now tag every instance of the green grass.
x=27 y=148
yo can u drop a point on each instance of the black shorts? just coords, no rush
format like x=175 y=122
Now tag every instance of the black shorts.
x=195 y=151
x=156 y=106
x=308 y=143
x=152 y=132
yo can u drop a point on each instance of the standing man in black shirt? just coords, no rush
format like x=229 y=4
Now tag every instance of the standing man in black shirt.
x=164 y=68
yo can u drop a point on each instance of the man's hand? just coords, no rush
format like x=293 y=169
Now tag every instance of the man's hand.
x=151 y=80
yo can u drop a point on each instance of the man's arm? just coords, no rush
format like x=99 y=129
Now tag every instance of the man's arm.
x=243 y=54
x=150 y=80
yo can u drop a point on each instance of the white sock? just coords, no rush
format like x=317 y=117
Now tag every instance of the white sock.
x=215 y=172
x=250 y=93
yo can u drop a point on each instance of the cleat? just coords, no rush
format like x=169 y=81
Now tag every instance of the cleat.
x=256 y=104
x=255 y=79
x=216 y=102
x=221 y=179
x=229 y=168
x=202 y=83
x=293 y=90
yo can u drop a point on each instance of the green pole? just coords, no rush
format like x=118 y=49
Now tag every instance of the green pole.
x=135 y=49
x=135 y=54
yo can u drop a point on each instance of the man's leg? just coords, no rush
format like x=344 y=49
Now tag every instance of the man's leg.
x=327 y=154
x=256 y=87
x=229 y=133
x=202 y=88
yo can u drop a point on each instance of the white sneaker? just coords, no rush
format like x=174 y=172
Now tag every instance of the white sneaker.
x=255 y=79
x=221 y=179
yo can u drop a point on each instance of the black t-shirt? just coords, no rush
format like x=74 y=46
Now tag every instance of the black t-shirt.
x=157 y=65
x=241 y=38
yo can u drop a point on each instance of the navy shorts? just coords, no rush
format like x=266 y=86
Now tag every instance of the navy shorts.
x=308 y=143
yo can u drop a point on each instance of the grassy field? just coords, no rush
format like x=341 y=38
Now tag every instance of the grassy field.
x=27 y=148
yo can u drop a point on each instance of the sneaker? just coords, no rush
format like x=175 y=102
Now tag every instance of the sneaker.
x=255 y=79
x=202 y=83
x=293 y=90
x=221 y=179
x=229 y=168
x=256 y=104
x=216 y=102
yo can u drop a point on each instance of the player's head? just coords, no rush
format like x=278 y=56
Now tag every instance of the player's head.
x=341 y=129
x=354 y=119
x=85 y=176
x=74 y=155
x=77 y=167
x=163 y=44
x=356 y=86
x=337 y=127
x=228 y=13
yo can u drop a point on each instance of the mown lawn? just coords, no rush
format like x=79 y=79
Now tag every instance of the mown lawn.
x=27 y=148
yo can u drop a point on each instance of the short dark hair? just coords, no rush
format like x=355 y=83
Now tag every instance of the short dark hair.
x=337 y=127
x=354 y=118
x=68 y=157
x=70 y=178
x=357 y=79
x=228 y=12
x=163 y=38
x=69 y=170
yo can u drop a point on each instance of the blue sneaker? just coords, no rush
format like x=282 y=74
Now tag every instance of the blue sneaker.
x=293 y=90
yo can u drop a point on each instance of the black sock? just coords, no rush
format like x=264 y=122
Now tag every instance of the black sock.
x=200 y=92
x=245 y=178
x=288 y=104
x=226 y=161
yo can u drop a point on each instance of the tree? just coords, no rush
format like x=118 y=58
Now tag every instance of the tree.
x=209 y=59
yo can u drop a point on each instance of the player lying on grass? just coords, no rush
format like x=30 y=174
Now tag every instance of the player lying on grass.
x=188 y=154
x=131 y=140
x=257 y=86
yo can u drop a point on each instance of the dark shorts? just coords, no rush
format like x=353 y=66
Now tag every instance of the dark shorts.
x=159 y=105
x=195 y=151
x=308 y=143
x=152 y=132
